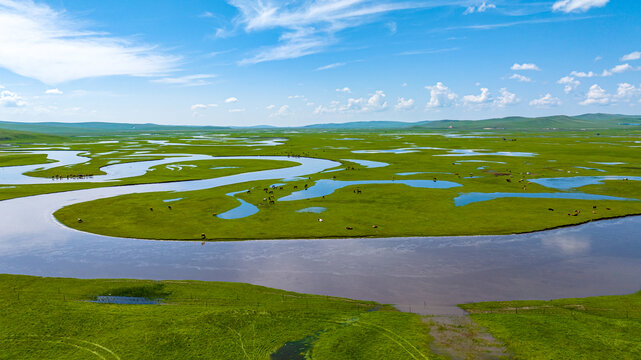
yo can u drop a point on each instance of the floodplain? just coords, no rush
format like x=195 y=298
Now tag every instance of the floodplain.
x=355 y=211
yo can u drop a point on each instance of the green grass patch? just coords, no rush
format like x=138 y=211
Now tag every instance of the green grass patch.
x=51 y=318
x=605 y=327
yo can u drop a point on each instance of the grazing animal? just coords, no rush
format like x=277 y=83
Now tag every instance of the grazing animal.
x=607 y=208
x=295 y=186
x=79 y=220
x=151 y=209
x=169 y=207
x=550 y=209
x=349 y=228
x=214 y=214
x=594 y=207
x=203 y=236
x=508 y=180
x=320 y=220
x=374 y=226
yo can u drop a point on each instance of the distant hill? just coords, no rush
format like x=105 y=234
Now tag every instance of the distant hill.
x=558 y=122
x=24 y=136
x=96 y=128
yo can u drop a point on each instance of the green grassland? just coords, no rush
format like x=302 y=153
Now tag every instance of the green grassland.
x=7 y=159
x=605 y=327
x=52 y=318
x=395 y=209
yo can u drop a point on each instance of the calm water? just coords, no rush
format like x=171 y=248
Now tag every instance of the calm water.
x=469 y=198
x=325 y=187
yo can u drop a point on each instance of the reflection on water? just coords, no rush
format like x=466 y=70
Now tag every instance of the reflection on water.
x=469 y=198
x=312 y=209
x=243 y=210
x=326 y=187
x=430 y=275
x=567 y=183
x=368 y=163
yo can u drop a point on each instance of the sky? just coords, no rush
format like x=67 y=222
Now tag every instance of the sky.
x=299 y=62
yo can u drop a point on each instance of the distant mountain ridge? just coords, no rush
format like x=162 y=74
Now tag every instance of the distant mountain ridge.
x=596 y=121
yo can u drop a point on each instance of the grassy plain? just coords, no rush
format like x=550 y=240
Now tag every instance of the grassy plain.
x=605 y=327
x=52 y=318
x=395 y=209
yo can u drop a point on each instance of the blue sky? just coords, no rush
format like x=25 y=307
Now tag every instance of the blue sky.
x=249 y=62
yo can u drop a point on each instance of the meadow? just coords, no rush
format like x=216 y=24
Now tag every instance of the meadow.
x=605 y=327
x=473 y=162
x=56 y=318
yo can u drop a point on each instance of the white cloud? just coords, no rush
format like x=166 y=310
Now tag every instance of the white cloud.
x=577 y=5
x=331 y=66
x=55 y=91
x=627 y=91
x=187 y=80
x=270 y=107
x=525 y=66
x=404 y=104
x=582 y=74
x=440 y=96
x=546 y=101
x=302 y=97
x=11 y=99
x=231 y=100
x=345 y=90
x=596 y=96
x=482 y=98
x=376 y=102
x=569 y=82
x=481 y=8
x=521 y=78
x=282 y=111
x=617 y=69
x=236 y=110
x=506 y=98
x=309 y=26
x=635 y=55
x=196 y=107
x=41 y=43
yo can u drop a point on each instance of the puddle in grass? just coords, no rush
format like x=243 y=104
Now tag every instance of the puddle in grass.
x=568 y=183
x=367 y=163
x=469 y=198
x=125 y=300
x=326 y=187
x=243 y=210
x=313 y=209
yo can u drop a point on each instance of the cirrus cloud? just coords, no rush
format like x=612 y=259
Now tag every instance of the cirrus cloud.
x=577 y=5
x=44 y=44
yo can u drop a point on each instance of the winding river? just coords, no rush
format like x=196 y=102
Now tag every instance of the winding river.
x=424 y=274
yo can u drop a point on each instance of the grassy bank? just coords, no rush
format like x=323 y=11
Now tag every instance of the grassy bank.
x=52 y=318
x=605 y=327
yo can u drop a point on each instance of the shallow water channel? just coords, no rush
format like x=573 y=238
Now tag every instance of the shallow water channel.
x=426 y=274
